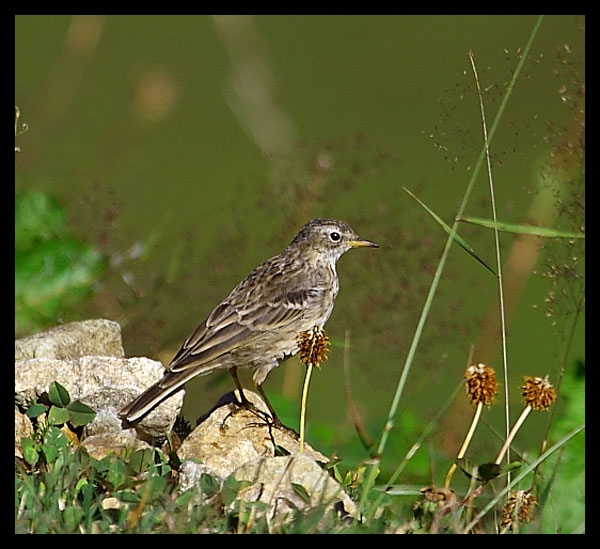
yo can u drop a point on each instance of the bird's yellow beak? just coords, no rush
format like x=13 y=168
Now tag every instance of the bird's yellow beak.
x=363 y=244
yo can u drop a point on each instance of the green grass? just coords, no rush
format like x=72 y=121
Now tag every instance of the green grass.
x=60 y=488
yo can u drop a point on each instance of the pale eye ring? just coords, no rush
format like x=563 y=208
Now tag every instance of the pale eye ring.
x=335 y=236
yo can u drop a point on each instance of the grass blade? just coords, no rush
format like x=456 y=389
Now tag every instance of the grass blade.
x=458 y=239
x=521 y=229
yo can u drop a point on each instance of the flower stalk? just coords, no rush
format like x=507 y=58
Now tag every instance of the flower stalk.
x=538 y=394
x=482 y=389
x=313 y=345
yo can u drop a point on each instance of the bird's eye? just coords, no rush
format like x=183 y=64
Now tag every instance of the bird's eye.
x=335 y=236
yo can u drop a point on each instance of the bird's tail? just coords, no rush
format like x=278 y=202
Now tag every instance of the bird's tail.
x=155 y=394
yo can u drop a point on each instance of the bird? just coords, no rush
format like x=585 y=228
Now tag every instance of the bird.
x=257 y=325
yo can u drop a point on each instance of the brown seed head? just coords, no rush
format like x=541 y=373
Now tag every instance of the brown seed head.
x=481 y=384
x=313 y=345
x=538 y=392
x=518 y=508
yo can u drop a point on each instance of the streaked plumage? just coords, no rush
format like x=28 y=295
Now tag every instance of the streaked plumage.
x=256 y=326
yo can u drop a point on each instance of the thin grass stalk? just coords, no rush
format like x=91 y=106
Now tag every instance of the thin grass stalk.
x=498 y=252
x=373 y=467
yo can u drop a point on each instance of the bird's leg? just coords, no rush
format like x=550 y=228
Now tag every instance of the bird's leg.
x=275 y=421
x=245 y=403
x=243 y=400
x=271 y=409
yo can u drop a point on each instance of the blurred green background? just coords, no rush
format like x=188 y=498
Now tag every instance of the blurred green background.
x=187 y=149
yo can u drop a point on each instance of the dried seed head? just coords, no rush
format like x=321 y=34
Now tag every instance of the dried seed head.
x=538 y=392
x=439 y=496
x=518 y=508
x=481 y=384
x=434 y=503
x=313 y=345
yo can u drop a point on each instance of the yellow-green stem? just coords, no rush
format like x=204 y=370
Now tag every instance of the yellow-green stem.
x=465 y=445
x=512 y=434
x=309 y=368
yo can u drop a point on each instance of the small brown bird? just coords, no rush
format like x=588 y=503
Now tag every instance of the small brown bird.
x=257 y=325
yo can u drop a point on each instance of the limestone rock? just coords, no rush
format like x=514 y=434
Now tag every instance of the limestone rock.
x=104 y=383
x=291 y=484
x=90 y=337
x=230 y=436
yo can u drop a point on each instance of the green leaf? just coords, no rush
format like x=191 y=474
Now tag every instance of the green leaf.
x=72 y=518
x=128 y=496
x=512 y=466
x=30 y=451
x=521 y=229
x=58 y=395
x=209 y=484
x=301 y=491
x=55 y=437
x=117 y=474
x=140 y=460
x=102 y=465
x=231 y=488
x=36 y=410
x=336 y=474
x=80 y=413
x=50 y=452
x=155 y=485
x=81 y=483
x=58 y=416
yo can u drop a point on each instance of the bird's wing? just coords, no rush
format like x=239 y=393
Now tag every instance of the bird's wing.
x=242 y=318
